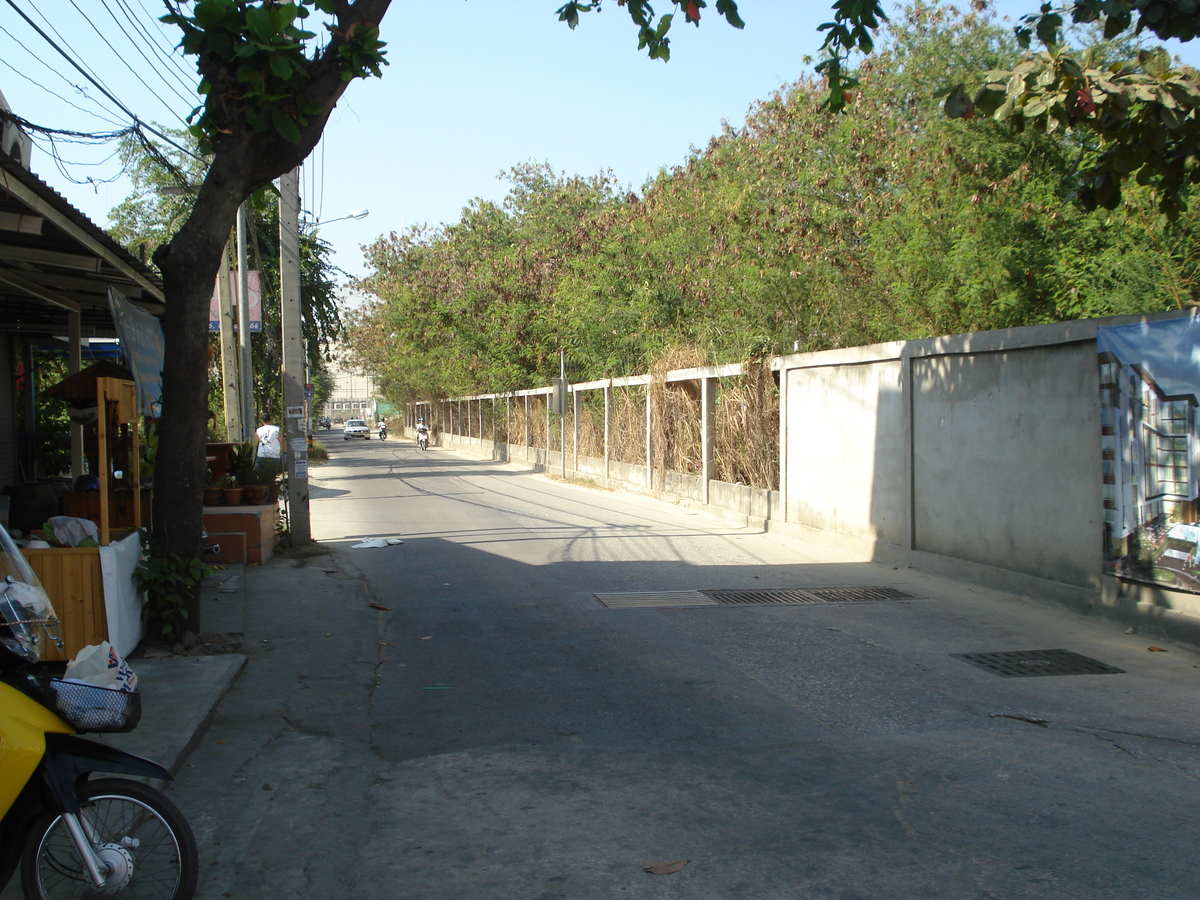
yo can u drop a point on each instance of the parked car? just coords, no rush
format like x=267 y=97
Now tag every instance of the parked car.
x=356 y=428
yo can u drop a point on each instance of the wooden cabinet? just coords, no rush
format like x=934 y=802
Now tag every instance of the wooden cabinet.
x=73 y=581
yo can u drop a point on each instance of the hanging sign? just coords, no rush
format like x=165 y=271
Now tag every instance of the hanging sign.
x=253 y=296
x=142 y=340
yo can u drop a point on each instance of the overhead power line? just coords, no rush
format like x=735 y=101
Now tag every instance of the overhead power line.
x=125 y=62
x=107 y=93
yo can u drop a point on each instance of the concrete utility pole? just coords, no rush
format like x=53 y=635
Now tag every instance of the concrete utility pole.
x=293 y=424
x=229 y=353
x=244 y=327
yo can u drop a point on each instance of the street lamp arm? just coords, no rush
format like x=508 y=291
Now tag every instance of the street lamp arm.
x=356 y=214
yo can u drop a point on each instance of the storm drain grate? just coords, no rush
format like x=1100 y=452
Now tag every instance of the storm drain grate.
x=748 y=598
x=757 y=597
x=1030 y=663
x=859 y=594
x=654 y=599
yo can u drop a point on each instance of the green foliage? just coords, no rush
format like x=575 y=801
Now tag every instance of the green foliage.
x=1142 y=118
x=254 y=64
x=168 y=581
x=242 y=460
x=652 y=34
x=53 y=424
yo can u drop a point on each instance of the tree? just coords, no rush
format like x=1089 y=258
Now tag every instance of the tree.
x=266 y=103
x=1137 y=119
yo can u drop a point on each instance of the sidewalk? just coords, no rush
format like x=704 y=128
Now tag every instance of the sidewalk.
x=181 y=693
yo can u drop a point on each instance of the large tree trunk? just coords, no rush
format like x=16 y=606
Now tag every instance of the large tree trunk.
x=189 y=267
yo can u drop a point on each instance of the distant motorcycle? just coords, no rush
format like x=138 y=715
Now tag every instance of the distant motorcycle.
x=383 y=431
x=422 y=440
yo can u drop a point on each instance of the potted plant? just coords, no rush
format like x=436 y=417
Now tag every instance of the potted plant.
x=232 y=492
x=213 y=491
x=256 y=487
x=242 y=462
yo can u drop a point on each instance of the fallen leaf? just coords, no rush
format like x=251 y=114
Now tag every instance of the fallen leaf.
x=379 y=606
x=667 y=868
x=1157 y=649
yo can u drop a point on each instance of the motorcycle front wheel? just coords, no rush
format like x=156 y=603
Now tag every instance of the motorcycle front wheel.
x=145 y=843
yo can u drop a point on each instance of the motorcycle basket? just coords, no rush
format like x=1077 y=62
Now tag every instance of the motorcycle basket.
x=88 y=708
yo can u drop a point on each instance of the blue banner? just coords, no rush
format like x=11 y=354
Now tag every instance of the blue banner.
x=142 y=339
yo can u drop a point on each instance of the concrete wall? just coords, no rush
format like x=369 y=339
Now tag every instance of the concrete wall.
x=1006 y=460
x=845 y=457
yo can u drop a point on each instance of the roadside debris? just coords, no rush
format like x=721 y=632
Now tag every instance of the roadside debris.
x=375 y=543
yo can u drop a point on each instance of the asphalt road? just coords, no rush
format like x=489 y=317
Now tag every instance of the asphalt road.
x=457 y=716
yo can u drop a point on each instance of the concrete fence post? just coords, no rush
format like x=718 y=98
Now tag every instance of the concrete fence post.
x=708 y=431
x=607 y=429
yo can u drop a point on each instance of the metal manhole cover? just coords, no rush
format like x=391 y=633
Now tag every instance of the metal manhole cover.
x=654 y=599
x=745 y=598
x=1030 y=663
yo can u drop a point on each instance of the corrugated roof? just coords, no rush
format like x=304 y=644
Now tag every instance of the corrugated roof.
x=53 y=258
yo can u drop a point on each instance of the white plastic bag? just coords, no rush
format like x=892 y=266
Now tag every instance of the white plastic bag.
x=102 y=666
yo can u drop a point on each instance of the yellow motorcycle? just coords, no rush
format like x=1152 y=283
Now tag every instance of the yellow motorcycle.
x=72 y=835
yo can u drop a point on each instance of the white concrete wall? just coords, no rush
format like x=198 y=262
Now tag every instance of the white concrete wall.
x=845 y=460
x=1006 y=460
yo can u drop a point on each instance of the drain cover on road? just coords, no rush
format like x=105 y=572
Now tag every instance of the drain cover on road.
x=747 y=598
x=654 y=599
x=1029 y=663
x=757 y=597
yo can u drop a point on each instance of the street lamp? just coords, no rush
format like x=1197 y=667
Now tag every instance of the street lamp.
x=355 y=214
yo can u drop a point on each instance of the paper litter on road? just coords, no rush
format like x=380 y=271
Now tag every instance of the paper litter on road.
x=373 y=543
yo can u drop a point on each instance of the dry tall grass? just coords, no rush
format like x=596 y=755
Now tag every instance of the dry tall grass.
x=747 y=428
x=591 y=425
x=627 y=425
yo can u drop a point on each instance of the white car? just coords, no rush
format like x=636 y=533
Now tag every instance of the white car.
x=356 y=428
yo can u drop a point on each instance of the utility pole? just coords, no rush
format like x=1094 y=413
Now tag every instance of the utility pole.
x=229 y=353
x=293 y=424
x=244 y=326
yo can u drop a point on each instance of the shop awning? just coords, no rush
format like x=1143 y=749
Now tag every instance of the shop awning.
x=54 y=260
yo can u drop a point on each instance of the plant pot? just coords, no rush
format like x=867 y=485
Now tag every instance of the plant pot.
x=213 y=496
x=273 y=497
x=255 y=494
x=233 y=496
